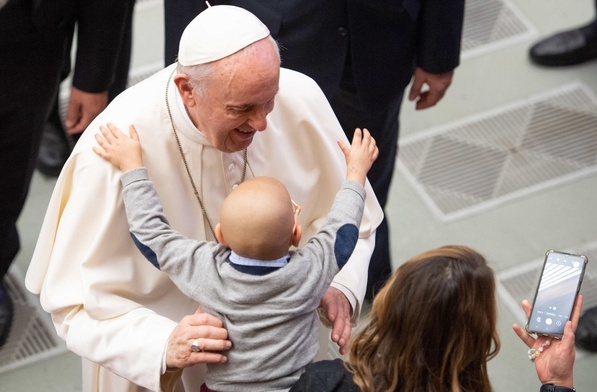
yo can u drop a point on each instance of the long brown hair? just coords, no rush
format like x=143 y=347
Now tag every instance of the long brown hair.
x=431 y=328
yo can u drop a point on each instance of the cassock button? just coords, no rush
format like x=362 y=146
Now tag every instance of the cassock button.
x=231 y=167
x=234 y=186
x=342 y=31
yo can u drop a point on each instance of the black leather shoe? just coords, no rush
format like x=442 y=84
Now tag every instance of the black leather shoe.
x=567 y=47
x=6 y=313
x=53 y=150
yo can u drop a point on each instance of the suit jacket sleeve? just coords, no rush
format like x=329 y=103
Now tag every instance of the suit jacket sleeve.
x=439 y=35
x=101 y=26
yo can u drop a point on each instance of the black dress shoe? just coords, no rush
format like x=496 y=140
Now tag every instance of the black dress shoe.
x=567 y=47
x=6 y=313
x=53 y=150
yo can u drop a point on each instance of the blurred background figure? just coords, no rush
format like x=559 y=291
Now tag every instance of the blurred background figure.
x=56 y=143
x=35 y=38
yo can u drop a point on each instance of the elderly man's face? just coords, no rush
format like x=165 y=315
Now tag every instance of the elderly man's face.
x=236 y=102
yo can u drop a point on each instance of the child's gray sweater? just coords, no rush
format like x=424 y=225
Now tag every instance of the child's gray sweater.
x=270 y=315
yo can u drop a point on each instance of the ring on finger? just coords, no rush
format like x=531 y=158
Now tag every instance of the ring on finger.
x=195 y=346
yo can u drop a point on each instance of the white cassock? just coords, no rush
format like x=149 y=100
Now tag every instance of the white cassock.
x=109 y=304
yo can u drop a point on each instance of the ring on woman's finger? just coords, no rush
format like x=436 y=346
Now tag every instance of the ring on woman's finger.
x=195 y=346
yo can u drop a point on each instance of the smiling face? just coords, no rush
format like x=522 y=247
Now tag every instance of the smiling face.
x=236 y=99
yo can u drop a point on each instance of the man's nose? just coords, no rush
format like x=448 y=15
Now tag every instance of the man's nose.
x=258 y=120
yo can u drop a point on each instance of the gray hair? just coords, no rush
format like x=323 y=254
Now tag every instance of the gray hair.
x=200 y=74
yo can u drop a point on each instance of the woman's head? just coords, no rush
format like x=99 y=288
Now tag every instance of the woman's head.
x=432 y=326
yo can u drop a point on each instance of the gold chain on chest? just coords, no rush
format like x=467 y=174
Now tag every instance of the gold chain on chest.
x=186 y=165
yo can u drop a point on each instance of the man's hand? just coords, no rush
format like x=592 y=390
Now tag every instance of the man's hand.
x=437 y=85
x=82 y=109
x=335 y=308
x=210 y=336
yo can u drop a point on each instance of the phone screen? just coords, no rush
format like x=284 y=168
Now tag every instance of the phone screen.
x=559 y=283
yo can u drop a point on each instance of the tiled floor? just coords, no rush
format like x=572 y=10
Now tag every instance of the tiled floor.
x=511 y=232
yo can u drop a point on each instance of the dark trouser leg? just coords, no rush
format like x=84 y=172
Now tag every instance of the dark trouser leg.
x=383 y=125
x=55 y=145
x=29 y=80
x=123 y=61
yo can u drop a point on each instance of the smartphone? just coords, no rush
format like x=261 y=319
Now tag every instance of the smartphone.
x=559 y=284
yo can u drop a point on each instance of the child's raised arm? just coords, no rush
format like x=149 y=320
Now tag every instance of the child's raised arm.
x=360 y=156
x=123 y=152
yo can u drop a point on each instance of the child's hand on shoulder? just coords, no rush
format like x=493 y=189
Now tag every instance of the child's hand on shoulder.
x=123 y=152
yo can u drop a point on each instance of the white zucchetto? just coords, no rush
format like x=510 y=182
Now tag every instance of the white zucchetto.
x=218 y=32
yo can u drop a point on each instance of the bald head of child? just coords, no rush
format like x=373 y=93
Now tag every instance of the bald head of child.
x=257 y=220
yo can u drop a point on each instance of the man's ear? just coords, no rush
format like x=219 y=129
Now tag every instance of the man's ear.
x=297 y=233
x=220 y=235
x=182 y=82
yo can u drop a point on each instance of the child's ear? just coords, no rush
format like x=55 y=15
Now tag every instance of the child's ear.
x=297 y=233
x=220 y=235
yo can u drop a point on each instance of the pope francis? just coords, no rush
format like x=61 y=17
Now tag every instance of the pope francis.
x=225 y=112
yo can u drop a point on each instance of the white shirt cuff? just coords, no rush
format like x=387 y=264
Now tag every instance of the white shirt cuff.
x=349 y=295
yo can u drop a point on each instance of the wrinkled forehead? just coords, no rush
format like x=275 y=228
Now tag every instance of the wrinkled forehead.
x=252 y=80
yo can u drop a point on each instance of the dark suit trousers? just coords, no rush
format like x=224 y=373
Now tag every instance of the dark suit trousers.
x=121 y=75
x=382 y=123
x=29 y=80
